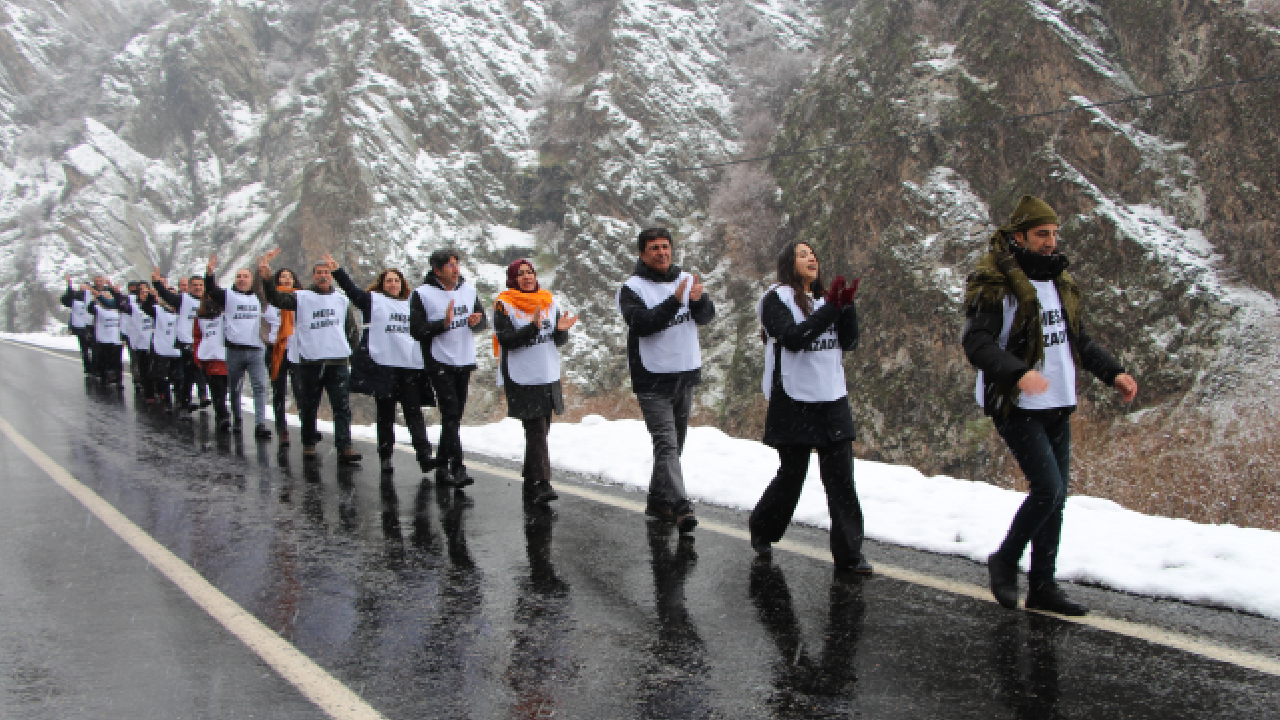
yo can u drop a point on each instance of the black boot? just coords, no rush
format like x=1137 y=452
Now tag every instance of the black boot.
x=685 y=520
x=539 y=492
x=1004 y=580
x=425 y=463
x=1049 y=597
x=262 y=433
x=461 y=478
x=443 y=476
x=349 y=456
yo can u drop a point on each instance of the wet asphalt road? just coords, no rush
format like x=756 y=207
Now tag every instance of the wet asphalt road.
x=436 y=604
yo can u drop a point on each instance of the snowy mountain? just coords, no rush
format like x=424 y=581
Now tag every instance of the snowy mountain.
x=136 y=133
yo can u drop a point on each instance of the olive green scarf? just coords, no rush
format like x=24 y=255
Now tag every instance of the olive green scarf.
x=997 y=276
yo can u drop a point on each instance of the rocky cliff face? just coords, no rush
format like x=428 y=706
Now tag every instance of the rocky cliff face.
x=157 y=132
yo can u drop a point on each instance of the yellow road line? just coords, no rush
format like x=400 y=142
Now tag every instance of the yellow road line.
x=313 y=681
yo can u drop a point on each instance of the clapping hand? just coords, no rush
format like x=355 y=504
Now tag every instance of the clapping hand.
x=448 y=315
x=836 y=291
x=566 y=322
x=474 y=319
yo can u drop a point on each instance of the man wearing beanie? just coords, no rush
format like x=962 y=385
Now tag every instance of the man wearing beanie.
x=1024 y=332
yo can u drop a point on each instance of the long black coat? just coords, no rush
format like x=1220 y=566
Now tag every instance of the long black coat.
x=794 y=422
x=527 y=402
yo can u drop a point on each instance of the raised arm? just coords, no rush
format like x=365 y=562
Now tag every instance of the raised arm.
x=162 y=290
x=282 y=300
x=211 y=282
x=359 y=298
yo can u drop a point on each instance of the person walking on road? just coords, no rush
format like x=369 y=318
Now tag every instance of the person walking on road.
x=277 y=333
x=242 y=327
x=140 y=345
x=806 y=336
x=77 y=300
x=390 y=366
x=129 y=329
x=187 y=304
x=528 y=326
x=166 y=356
x=444 y=312
x=663 y=307
x=1024 y=331
x=209 y=344
x=320 y=350
x=106 y=309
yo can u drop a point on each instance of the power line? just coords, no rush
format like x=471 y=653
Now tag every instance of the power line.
x=990 y=123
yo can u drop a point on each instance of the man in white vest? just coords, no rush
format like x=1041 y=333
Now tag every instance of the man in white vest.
x=242 y=322
x=1025 y=333
x=443 y=315
x=77 y=300
x=106 y=309
x=320 y=349
x=663 y=307
x=186 y=303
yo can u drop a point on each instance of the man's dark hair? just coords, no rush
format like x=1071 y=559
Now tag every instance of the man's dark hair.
x=196 y=277
x=647 y=236
x=441 y=257
x=133 y=285
x=322 y=264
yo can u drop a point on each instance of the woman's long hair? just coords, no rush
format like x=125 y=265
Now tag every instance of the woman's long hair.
x=404 y=284
x=276 y=279
x=787 y=276
x=209 y=308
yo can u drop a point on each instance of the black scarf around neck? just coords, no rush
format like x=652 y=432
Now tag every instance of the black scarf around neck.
x=1037 y=266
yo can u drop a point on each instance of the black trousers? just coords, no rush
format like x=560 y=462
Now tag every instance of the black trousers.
x=408 y=395
x=537 y=456
x=280 y=393
x=84 y=336
x=107 y=357
x=218 y=393
x=773 y=513
x=451 y=386
x=1041 y=442
x=163 y=373
x=190 y=376
x=140 y=368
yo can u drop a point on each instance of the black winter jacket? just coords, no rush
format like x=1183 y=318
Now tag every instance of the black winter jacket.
x=527 y=402
x=794 y=422
x=981 y=341
x=643 y=321
x=424 y=331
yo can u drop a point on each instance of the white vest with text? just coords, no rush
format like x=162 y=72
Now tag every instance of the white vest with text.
x=456 y=346
x=537 y=363
x=187 y=318
x=143 y=328
x=80 y=317
x=212 y=345
x=390 y=344
x=1059 y=368
x=165 y=334
x=243 y=319
x=674 y=349
x=106 y=326
x=815 y=374
x=319 y=327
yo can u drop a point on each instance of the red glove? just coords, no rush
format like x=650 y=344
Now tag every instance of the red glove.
x=836 y=291
x=846 y=297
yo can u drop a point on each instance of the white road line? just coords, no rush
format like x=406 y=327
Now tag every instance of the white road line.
x=1158 y=636
x=313 y=681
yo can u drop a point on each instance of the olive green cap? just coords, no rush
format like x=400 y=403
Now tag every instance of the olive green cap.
x=1031 y=212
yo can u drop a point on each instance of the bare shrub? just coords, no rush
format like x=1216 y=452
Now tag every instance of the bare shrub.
x=1270 y=8
x=746 y=205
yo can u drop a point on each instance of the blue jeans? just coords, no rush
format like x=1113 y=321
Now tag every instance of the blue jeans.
x=1041 y=443
x=237 y=362
x=312 y=379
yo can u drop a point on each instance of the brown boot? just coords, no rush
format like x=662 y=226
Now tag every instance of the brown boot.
x=349 y=456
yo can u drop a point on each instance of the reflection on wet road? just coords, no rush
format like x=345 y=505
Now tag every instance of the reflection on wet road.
x=431 y=603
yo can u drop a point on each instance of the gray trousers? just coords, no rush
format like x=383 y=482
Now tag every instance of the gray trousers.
x=667 y=417
x=237 y=362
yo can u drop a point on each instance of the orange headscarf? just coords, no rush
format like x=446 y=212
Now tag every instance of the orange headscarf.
x=282 y=337
x=523 y=305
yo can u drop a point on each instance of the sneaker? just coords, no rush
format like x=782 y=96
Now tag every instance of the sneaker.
x=224 y=426
x=762 y=547
x=349 y=456
x=461 y=478
x=309 y=452
x=388 y=466
x=685 y=521
x=262 y=433
x=1004 y=581
x=1049 y=597
x=540 y=492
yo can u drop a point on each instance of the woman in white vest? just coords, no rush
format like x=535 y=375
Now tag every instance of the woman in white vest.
x=806 y=335
x=186 y=303
x=77 y=300
x=319 y=351
x=391 y=369
x=208 y=344
x=108 y=342
x=528 y=326
x=242 y=322
x=166 y=356
x=444 y=314
x=143 y=328
x=276 y=333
